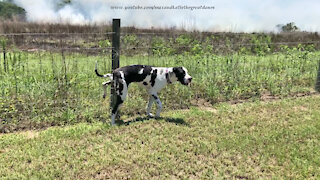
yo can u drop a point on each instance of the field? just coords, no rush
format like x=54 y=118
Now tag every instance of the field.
x=44 y=89
x=268 y=140
x=251 y=112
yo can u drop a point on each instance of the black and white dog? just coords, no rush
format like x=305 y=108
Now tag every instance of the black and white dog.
x=153 y=78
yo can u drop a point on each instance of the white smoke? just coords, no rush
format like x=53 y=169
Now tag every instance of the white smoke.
x=231 y=15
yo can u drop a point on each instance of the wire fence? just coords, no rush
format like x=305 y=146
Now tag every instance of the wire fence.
x=147 y=45
x=43 y=76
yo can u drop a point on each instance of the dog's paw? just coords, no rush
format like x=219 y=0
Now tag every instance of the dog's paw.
x=150 y=115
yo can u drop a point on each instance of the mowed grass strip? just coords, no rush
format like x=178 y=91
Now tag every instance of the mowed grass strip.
x=277 y=139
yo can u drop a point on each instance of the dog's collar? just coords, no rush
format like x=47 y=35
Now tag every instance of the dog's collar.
x=168 y=76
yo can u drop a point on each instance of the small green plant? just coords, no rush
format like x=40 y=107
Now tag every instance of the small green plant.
x=261 y=45
x=284 y=48
x=3 y=42
x=160 y=47
x=130 y=40
x=306 y=47
x=243 y=51
x=184 y=40
x=310 y=48
x=197 y=49
x=104 y=43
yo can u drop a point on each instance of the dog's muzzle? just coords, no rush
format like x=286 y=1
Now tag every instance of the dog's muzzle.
x=187 y=82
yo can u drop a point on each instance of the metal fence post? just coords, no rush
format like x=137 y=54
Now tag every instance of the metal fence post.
x=318 y=79
x=115 y=56
x=4 y=59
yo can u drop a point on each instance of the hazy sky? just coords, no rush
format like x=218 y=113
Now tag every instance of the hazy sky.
x=227 y=15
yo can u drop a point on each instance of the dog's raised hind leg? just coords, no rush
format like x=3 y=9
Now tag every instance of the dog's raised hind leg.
x=105 y=85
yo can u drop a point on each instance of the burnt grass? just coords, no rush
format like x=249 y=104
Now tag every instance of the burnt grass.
x=86 y=39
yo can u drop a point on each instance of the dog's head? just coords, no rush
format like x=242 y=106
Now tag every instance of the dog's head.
x=182 y=75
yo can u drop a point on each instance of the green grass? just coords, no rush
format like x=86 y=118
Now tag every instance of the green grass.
x=43 y=89
x=273 y=140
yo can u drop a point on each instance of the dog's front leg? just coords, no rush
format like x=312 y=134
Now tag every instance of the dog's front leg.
x=159 y=104
x=151 y=100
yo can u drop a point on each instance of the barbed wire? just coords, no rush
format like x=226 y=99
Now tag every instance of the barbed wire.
x=157 y=47
x=57 y=49
x=123 y=33
x=53 y=34
x=177 y=32
x=223 y=45
x=78 y=48
x=61 y=48
x=59 y=79
x=167 y=33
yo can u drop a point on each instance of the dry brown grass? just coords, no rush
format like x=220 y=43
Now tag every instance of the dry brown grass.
x=27 y=27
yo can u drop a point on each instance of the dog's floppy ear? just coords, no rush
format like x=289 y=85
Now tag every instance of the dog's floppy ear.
x=168 y=77
x=176 y=69
x=179 y=72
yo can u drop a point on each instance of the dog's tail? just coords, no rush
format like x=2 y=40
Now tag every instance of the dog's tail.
x=100 y=75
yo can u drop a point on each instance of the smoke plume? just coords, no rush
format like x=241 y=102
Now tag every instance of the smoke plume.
x=231 y=15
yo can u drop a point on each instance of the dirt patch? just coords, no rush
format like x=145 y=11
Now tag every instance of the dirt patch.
x=300 y=108
x=268 y=97
x=210 y=109
x=30 y=134
x=200 y=102
x=114 y=172
x=205 y=105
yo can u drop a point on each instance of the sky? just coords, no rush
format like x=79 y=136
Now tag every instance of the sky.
x=220 y=15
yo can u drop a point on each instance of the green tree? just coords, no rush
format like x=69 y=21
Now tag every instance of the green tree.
x=9 y=10
x=289 y=27
x=62 y=3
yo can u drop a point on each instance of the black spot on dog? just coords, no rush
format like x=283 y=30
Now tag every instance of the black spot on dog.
x=155 y=97
x=153 y=77
x=131 y=73
x=168 y=78
x=120 y=88
x=117 y=104
x=145 y=83
x=119 y=84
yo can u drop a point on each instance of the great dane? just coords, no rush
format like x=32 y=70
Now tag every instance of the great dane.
x=152 y=78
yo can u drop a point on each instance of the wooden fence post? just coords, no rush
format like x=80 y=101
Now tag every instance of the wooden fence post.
x=115 y=56
x=318 y=79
